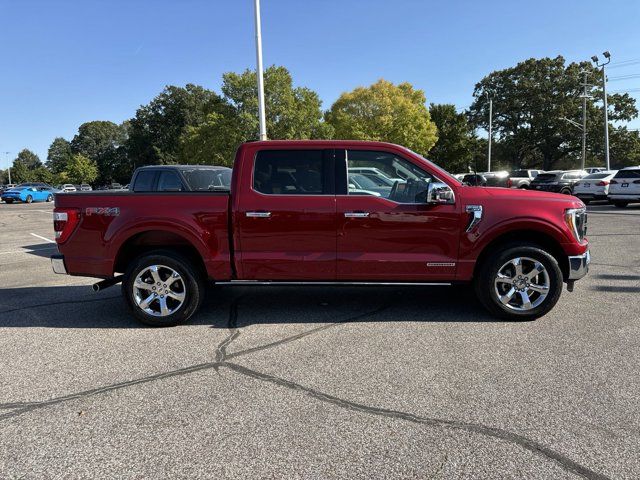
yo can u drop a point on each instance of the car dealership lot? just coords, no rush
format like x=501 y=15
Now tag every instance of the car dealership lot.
x=318 y=382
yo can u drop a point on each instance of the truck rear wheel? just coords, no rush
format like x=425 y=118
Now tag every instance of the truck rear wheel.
x=519 y=282
x=162 y=288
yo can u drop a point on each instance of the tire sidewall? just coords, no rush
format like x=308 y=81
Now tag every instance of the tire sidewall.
x=194 y=287
x=485 y=289
x=29 y=199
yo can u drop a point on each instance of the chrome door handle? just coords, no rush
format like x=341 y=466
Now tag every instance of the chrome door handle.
x=356 y=214
x=258 y=214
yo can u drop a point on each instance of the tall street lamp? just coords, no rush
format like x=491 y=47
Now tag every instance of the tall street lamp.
x=261 y=114
x=607 y=55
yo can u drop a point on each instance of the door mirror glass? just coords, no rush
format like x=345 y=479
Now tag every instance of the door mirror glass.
x=439 y=193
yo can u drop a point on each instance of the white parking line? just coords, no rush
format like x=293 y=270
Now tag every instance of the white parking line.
x=43 y=238
x=31 y=250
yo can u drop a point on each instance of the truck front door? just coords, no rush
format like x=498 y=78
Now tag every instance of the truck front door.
x=286 y=216
x=386 y=231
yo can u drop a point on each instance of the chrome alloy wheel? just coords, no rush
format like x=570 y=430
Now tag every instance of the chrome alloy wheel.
x=159 y=290
x=522 y=284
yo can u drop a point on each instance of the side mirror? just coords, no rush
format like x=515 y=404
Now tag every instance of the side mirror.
x=439 y=193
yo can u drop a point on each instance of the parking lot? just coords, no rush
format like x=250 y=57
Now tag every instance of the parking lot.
x=367 y=382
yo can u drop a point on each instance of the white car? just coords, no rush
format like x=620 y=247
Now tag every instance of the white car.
x=624 y=187
x=595 y=169
x=373 y=171
x=67 y=187
x=594 y=186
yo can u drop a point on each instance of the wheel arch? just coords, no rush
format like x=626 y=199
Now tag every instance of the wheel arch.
x=151 y=240
x=536 y=237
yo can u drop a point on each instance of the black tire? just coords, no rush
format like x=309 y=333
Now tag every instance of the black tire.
x=620 y=204
x=29 y=199
x=566 y=191
x=192 y=283
x=8 y=200
x=50 y=198
x=484 y=282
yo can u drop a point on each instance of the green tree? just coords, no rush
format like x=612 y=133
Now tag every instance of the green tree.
x=58 y=155
x=81 y=169
x=28 y=158
x=384 y=112
x=103 y=143
x=454 y=149
x=155 y=132
x=531 y=103
x=20 y=172
x=291 y=113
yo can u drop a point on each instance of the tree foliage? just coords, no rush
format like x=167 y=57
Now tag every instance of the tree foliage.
x=531 y=103
x=156 y=130
x=384 y=112
x=58 y=155
x=456 y=141
x=103 y=143
x=291 y=113
x=81 y=169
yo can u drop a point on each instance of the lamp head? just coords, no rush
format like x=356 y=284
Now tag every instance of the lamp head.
x=594 y=59
x=606 y=54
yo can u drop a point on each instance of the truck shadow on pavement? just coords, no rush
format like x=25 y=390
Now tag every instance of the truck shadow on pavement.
x=79 y=307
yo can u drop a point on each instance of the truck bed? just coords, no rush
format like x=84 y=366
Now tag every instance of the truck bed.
x=110 y=220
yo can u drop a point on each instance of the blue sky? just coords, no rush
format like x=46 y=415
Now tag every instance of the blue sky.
x=66 y=62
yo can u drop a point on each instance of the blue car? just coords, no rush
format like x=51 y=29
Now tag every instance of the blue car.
x=28 y=194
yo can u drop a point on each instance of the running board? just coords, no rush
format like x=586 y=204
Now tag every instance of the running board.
x=389 y=284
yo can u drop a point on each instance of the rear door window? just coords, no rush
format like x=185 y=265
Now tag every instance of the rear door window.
x=546 y=177
x=144 y=181
x=290 y=172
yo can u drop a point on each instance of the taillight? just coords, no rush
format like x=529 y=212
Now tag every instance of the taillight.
x=603 y=183
x=65 y=221
x=613 y=182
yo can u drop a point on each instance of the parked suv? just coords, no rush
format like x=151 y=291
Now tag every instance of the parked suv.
x=558 y=181
x=523 y=178
x=624 y=187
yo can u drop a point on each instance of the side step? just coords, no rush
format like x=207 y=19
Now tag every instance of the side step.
x=287 y=283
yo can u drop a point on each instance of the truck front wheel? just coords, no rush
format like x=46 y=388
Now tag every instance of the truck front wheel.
x=520 y=282
x=162 y=288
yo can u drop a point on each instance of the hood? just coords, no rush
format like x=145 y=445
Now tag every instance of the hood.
x=517 y=194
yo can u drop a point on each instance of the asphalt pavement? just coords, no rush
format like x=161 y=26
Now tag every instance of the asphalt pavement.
x=318 y=382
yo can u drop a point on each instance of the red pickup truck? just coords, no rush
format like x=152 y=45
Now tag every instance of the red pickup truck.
x=320 y=212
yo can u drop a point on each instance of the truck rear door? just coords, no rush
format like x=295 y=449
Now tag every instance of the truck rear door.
x=285 y=215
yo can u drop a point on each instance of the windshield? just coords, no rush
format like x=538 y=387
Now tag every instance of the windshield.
x=628 y=174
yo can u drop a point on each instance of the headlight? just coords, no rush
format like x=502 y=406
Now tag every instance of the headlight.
x=576 y=220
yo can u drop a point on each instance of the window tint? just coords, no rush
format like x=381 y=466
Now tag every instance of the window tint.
x=383 y=174
x=520 y=174
x=144 y=181
x=169 y=182
x=628 y=174
x=289 y=172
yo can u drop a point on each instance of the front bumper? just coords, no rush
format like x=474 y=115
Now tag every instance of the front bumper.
x=579 y=265
x=57 y=263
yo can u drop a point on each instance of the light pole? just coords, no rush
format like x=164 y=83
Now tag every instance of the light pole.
x=6 y=157
x=607 y=55
x=261 y=115
x=490 y=134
